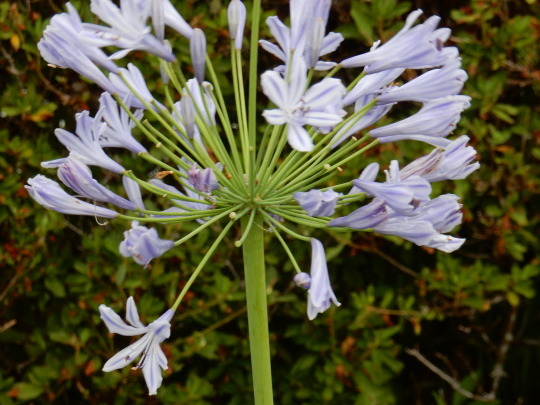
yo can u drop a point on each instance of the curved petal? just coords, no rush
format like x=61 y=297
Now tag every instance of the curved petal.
x=115 y=324
x=275 y=88
x=128 y=354
x=299 y=138
x=132 y=315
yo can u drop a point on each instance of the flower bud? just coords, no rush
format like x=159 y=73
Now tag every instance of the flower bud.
x=302 y=280
x=197 y=48
x=237 y=20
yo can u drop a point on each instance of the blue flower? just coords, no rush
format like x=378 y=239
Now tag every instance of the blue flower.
x=143 y=244
x=318 y=203
x=153 y=357
x=319 y=106
x=49 y=194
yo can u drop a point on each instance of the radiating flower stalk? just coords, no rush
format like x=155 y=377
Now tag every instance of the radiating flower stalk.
x=223 y=163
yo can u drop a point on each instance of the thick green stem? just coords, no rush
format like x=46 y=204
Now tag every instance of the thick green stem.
x=253 y=249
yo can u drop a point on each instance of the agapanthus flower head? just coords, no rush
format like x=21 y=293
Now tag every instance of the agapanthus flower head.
x=148 y=347
x=209 y=164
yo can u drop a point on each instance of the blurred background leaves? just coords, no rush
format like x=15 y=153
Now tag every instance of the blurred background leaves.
x=474 y=316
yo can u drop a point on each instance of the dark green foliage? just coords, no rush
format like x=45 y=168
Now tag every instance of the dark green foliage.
x=473 y=314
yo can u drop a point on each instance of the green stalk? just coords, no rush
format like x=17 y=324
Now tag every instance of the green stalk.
x=253 y=250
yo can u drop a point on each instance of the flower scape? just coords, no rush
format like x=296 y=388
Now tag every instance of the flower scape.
x=278 y=173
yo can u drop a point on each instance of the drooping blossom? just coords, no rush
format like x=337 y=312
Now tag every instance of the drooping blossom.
x=419 y=47
x=49 y=194
x=153 y=359
x=320 y=294
x=77 y=176
x=318 y=203
x=143 y=244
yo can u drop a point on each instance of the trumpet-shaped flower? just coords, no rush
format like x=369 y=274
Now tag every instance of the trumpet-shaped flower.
x=450 y=163
x=419 y=47
x=319 y=106
x=436 y=83
x=77 y=176
x=435 y=120
x=49 y=194
x=143 y=244
x=318 y=203
x=306 y=35
x=117 y=133
x=153 y=359
x=131 y=78
x=320 y=294
x=128 y=29
x=86 y=143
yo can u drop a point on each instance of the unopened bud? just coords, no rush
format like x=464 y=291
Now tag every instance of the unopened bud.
x=197 y=47
x=237 y=20
x=302 y=280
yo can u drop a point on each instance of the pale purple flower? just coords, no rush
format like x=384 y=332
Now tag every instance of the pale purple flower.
x=196 y=101
x=436 y=83
x=434 y=121
x=70 y=28
x=133 y=190
x=153 y=359
x=319 y=106
x=320 y=294
x=420 y=232
x=236 y=14
x=402 y=196
x=306 y=35
x=370 y=117
x=61 y=52
x=86 y=143
x=49 y=194
x=204 y=180
x=365 y=217
x=419 y=47
x=143 y=244
x=77 y=176
x=197 y=47
x=318 y=203
x=455 y=163
x=372 y=84
x=402 y=207
x=173 y=19
x=128 y=29
x=133 y=76
x=117 y=133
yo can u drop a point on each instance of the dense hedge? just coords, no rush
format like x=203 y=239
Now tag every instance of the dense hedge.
x=472 y=316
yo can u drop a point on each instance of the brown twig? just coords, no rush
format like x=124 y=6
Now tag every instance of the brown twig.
x=456 y=386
